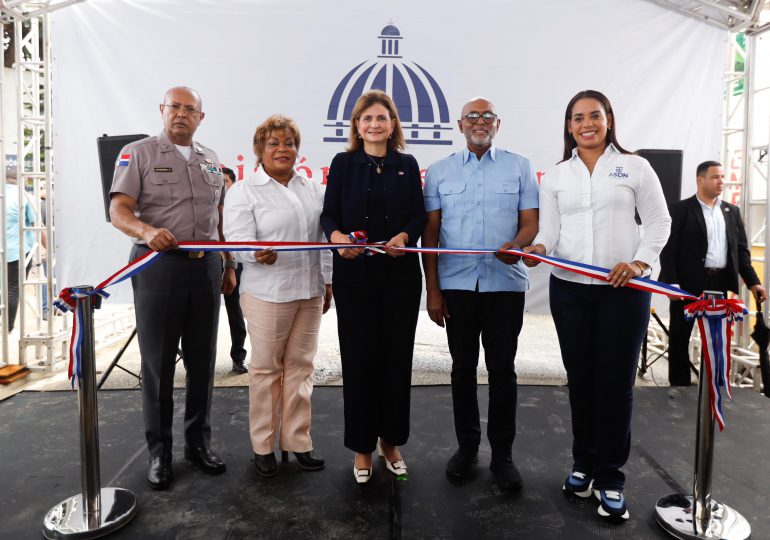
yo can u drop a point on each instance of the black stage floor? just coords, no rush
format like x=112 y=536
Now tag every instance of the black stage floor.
x=40 y=467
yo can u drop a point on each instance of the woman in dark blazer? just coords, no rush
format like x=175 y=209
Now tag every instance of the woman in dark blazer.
x=373 y=187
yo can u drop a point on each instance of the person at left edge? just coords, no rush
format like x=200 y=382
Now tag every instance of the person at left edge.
x=233 y=303
x=169 y=189
x=15 y=215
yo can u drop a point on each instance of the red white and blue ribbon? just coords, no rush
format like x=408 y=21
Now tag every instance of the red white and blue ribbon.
x=67 y=300
x=595 y=272
x=715 y=320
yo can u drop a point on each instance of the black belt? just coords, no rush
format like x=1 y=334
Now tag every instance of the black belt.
x=713 y=271
x=179 y=253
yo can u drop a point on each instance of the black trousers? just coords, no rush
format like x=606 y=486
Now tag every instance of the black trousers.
x=13 y=291
x=600 y=331
x=376 y=323
x=235 y=320
x=497 y=318
x=680 y=330
x=177 y=298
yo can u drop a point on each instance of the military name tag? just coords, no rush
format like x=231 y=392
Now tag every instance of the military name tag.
x=163 y=169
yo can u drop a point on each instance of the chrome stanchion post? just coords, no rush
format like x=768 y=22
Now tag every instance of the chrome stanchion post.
x=704 y=455
x=93 y=512
x=699 y=516
x=90 y=477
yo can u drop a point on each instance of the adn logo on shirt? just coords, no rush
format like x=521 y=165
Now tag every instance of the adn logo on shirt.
x=619 y=173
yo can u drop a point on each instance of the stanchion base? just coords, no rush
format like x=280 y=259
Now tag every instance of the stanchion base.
x=66 y=519
x=674 y=514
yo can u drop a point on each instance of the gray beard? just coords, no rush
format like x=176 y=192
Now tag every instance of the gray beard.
x=478 y=141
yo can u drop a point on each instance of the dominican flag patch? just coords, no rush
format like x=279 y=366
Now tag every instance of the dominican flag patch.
x=124 y=160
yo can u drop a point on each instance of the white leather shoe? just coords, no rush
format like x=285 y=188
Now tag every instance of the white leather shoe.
x=396 y=467
x=362 y=476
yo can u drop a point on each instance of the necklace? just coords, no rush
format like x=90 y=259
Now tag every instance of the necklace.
x=377 y=165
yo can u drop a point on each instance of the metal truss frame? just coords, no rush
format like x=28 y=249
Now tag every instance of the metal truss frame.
x=47 y=336
x=12 y=11
x=740 y=118
x=733 y=15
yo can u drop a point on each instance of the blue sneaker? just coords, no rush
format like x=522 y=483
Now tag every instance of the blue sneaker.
x=578 y=484
x=612 y=504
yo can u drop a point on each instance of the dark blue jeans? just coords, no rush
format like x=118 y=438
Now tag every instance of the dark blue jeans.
x=600 y=331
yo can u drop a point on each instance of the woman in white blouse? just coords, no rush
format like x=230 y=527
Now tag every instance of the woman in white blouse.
x=282 y=297
x=587 y=214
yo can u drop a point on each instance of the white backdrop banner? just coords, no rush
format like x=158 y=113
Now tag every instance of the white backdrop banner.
x=113 y=60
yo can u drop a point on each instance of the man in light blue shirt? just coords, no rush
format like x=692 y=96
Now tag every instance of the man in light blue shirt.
x=13 y=217
x=481 y=197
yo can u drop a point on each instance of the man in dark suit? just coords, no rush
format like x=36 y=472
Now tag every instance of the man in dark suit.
x=707 y=250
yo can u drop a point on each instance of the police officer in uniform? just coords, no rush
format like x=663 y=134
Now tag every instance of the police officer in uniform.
x=169 y=189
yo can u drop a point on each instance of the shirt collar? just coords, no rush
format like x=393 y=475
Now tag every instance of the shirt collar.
x=610 y=148
x=167 y=146
x=260 y=178
x=492 y=152
x=717 y=204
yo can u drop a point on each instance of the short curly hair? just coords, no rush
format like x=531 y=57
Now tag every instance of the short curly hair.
x=275 y=122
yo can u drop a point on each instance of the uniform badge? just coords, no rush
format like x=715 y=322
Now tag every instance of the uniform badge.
x=163 y=169
x=124 y=160
x=210 y=168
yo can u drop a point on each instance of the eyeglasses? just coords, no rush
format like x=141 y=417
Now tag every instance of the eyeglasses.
x=176 y=107
x=487 y=117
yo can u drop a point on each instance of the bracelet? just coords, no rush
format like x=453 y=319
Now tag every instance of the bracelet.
x=231 y=264
x=641 y=270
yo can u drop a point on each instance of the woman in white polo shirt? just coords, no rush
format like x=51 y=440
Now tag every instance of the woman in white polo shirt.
x=587 y=214
x=282 y=296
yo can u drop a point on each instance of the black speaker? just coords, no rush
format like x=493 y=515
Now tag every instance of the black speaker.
x=667 y=164
x=109 y=147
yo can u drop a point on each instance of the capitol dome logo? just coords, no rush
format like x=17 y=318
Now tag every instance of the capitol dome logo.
x=422 y=107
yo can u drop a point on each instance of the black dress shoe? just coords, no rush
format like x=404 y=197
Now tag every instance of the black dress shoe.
x=239 y=368
x=159 y=473
x=265 y=464
x=460 y=463
x=207 y=460
x=506 y=474
x=306 y=460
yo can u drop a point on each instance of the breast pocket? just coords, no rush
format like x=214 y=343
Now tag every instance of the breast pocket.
x=159 y=189
x=216 y=185
x=507 y=196
x=451 y=197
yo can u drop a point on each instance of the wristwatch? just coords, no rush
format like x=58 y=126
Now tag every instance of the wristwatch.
x=231 y=264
